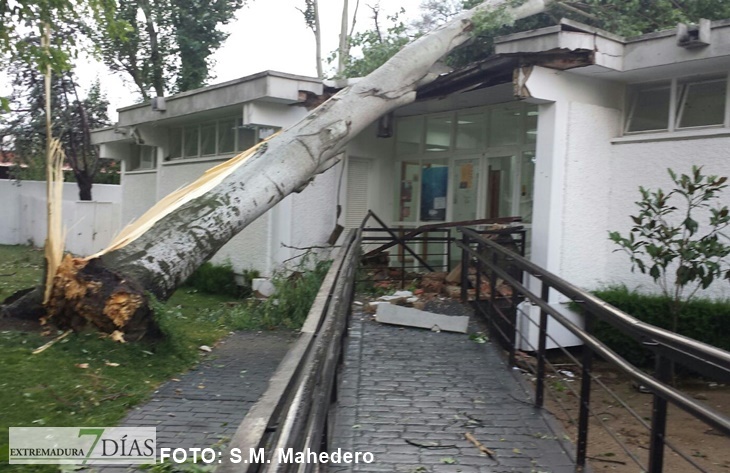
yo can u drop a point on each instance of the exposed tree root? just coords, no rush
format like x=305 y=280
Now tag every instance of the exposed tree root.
x=88 y=293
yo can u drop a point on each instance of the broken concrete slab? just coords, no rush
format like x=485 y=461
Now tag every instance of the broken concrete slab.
x=396 y=296
x=397 y=315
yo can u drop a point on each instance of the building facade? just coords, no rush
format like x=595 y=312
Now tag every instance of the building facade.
x=561 y=126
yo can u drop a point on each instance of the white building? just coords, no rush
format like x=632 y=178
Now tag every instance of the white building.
x=561 y=125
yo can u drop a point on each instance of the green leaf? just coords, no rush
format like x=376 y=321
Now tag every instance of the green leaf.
x=691 y=225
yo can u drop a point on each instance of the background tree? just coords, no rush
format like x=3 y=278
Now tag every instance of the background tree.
x=24 y=131
x=623 y=17
x=22 y=19
x=374 y=46
x=311 y=19
x=167 y=44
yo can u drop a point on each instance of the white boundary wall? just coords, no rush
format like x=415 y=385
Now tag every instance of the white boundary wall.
x=90 y=225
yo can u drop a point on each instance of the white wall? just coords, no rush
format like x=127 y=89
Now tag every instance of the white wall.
x=314 y=211
x=587 y=194
x=645 y=164
x=89 y=226
x=139 y=193
x=587 y=180
x=380 y=151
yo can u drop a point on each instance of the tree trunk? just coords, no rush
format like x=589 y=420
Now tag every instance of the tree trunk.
x=158 y=81
x=111 y=291
x=318 y=41
x=84 y=183
x=343 y=51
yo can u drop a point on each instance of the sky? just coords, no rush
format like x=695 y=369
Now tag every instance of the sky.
x=266 y=35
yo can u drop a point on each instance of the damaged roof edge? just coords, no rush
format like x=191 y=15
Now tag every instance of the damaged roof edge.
x=499 y=69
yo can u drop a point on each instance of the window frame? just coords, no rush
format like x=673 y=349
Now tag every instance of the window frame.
x=678 y=88
x=683 y=93
x=181 y=130
x=634 y=98
x=136 y=155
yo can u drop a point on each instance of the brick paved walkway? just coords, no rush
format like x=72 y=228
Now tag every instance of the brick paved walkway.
x=206 y=405
x=405 y=384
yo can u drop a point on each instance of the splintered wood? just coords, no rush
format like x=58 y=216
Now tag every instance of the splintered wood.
x=56 y=237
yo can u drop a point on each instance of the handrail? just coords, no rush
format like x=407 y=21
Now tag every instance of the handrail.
x=292 y=412
x=640 y=331
x=610 y=314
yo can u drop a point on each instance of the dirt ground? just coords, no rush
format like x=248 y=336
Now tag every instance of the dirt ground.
x=706 y=447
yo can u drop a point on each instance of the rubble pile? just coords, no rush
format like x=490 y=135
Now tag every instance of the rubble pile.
x=423 y=287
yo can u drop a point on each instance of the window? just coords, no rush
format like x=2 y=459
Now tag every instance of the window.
x=505 y=126
x=218 y=137
x=464 y=165
x=650 y=108
x=226 y=136
x=142 y=158
x=190 y=141
x=245 y=136
x=702 y=103
x=677 y=104
x=175 y=143
x=408 y=133
x=208 y=139
x=438 y=133
x=470 y=131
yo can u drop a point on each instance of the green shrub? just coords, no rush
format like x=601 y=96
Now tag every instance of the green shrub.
x=220 y=279
x=702 y=319
x=290 y=304
x=294 y=295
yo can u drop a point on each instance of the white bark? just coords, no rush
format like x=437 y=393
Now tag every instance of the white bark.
x=165 y=255
x=318 y=41
x=343 y=51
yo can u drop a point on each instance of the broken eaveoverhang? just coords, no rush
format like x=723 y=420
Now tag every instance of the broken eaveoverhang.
x=501 y=69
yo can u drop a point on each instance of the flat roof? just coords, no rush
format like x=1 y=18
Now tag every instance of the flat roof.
x=221 y=85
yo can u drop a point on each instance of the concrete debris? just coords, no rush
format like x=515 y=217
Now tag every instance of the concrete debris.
x=396 y=295
x=409 y=317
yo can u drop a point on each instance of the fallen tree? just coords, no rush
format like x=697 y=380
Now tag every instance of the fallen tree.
x=111 y=290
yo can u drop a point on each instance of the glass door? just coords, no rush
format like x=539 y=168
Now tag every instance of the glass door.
x=465 y=183
x=499 y=186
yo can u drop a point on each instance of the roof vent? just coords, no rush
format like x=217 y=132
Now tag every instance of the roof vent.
x=694 y=36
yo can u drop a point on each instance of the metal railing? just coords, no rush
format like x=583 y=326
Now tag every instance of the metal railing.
x=503 y=310
x=293 y=412
x=424 y=248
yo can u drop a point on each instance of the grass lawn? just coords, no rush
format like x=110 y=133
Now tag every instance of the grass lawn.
x=52 y=389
